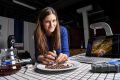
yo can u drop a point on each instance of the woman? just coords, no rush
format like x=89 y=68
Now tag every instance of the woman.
x=51 y=39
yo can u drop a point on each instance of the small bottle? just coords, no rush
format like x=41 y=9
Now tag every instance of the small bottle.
x=9 y=58
x=9 y=63
x=12 y=55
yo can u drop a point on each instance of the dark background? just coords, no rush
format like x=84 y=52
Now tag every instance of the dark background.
x=103 y=10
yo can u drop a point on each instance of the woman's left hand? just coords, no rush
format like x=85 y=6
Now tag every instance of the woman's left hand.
x=62 y=58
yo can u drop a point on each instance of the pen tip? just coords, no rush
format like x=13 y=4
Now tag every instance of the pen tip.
x=54 y=51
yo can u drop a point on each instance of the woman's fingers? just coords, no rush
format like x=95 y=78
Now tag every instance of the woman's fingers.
x=40 y=58
x=51 y=58
x=52 y=53
x=62 y=58
x=45 y=60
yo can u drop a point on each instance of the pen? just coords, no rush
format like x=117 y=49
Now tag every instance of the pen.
x=55 y=58
x=54 y=51
x=25 y=69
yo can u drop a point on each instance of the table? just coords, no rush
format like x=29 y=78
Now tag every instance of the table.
x=76 y=51
x=81 y=73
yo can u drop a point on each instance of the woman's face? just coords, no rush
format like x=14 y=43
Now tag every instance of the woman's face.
x=49 y=23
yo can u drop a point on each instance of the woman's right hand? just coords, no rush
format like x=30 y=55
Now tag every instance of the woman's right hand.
x=47 y=58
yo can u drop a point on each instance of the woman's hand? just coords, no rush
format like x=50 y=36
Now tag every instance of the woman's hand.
x=62 y=58
x=48 y=58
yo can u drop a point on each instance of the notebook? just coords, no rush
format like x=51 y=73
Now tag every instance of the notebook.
x=102 y=48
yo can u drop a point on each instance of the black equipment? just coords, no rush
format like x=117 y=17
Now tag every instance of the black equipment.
x=110 y=66
x=11 y=41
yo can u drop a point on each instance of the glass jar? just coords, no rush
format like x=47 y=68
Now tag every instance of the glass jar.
x=9 y=63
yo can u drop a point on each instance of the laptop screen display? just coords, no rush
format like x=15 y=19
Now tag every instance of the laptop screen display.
x=104 y=46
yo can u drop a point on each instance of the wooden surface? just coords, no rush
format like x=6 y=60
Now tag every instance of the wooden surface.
x=76 y=51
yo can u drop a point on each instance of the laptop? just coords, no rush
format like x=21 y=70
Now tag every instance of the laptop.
x=101 y=48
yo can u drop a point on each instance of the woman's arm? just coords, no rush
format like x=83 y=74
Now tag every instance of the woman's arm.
x=45 y=59
x=64 y=52
x=64 y=41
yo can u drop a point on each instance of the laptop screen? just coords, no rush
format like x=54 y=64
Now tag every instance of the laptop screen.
x=104 y=46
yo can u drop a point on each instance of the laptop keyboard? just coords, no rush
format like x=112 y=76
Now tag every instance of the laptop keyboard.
x=86 y=59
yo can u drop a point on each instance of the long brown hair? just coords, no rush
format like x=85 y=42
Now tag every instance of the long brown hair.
x=40 y=32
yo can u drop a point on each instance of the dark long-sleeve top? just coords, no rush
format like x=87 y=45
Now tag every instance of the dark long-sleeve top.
x=64 y=43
